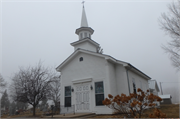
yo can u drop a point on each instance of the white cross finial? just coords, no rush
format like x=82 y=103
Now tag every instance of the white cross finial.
x=83 y=3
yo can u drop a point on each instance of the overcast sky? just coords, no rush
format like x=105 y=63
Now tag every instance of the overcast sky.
x=34 y=30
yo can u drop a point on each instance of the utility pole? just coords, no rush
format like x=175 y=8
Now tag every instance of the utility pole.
x=161 y=88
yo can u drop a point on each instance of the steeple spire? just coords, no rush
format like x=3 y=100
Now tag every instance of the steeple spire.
x=84 y=31
x=84 y=22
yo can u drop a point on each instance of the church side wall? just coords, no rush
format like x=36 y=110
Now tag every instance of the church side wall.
x=155 y=92
x=91 y=67
x=122 y=82
x=156 y=89
x=112 y=78
x=139 y=81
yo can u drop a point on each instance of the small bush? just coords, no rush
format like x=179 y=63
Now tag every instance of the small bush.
x=134 y=104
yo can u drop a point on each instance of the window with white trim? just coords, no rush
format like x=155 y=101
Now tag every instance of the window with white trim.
x=67 y=102
x=99 y=93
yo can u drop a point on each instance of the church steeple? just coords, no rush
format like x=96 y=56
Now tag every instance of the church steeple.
x=84 y=22
x=84 y=31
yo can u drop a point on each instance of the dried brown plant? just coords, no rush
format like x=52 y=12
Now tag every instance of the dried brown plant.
x=132 y=105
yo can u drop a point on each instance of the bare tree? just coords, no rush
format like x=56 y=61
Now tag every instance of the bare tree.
x=2 y=84
x=170 y=23
x=55 y=91
x=5 y=100
x=31 y=85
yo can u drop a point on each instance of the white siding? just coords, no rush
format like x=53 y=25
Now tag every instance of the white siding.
x=122 y=82
x=112 y=79
x=86 y=46
x=91 y=67
x=153 y=86
x=137 y=79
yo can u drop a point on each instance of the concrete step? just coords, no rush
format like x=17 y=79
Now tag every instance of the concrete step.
x=85 y=115
x=72 y=115
x=89 y=116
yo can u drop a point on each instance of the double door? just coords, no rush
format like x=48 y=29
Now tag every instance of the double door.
x=82 y=98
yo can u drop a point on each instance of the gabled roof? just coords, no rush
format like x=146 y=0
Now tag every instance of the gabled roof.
x=84 y=40
x=106 y=57
x=153 y=85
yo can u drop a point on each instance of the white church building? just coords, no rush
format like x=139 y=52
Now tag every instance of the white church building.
x=87 y=76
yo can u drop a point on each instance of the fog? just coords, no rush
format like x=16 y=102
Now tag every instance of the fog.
x=127 y=30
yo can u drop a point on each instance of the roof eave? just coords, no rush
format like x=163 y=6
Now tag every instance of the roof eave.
x=132 y=68
x=84 y=29
x=83 y=40
x=63 y=63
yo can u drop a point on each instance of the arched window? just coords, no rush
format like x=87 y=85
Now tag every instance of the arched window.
x=81 y=59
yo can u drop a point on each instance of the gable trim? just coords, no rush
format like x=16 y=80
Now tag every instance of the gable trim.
x=74 y=54
x=82 y=80
x=106 y=57
x=137 y=71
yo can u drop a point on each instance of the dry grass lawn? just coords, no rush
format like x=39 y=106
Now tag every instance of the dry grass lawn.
x=171 y=110
x=24 y=115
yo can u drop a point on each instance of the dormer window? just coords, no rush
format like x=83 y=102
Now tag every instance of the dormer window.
x=81 y=59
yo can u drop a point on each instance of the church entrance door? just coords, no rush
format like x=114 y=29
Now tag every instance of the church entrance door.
x=82 y=98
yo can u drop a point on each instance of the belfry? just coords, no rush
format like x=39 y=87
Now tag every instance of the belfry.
x=84 y=33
